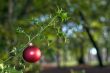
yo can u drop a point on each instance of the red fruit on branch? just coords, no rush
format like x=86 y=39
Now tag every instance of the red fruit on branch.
x=31 y=54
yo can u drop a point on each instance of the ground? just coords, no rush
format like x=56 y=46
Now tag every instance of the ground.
x=77 y=69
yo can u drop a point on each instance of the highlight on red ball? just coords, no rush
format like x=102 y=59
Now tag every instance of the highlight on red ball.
x=31 y=53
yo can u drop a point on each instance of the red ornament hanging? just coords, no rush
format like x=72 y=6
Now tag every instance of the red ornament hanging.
x=31 y=54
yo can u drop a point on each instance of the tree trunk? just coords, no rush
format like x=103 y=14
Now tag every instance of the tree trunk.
x=91 y=39
x=25 y=9
x=81 y=59
x=107 y=47
x=58 y=53
x=10 y=11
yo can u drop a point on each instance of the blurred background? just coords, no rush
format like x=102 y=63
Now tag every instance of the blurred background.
x=77 y=42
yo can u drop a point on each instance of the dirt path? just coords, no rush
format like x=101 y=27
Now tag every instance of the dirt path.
x=78 y=69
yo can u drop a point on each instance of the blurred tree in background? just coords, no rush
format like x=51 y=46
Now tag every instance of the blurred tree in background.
x=65 y=30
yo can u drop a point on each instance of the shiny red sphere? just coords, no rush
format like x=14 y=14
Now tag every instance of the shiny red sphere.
x=31 y=54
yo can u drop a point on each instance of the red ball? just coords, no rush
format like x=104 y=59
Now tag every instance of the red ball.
x=31 y=54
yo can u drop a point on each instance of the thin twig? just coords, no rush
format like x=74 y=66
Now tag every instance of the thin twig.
x=30 y=40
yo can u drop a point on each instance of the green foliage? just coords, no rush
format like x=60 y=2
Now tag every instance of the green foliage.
x=42 y=22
